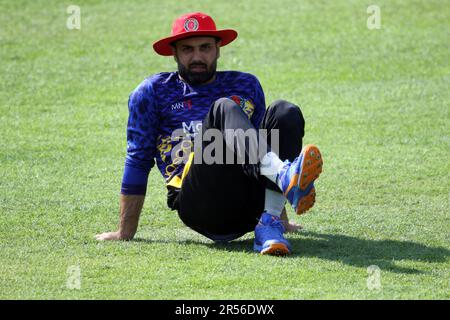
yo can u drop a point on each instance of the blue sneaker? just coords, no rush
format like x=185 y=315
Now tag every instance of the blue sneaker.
x=297 y=178
x=269 y=237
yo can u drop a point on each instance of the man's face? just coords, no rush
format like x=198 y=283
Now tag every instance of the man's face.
x=197 y=59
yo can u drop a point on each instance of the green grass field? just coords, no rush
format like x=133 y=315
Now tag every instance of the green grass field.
x=375 y=101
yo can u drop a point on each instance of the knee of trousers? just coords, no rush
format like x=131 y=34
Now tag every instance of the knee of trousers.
x=220 y=109
x=288 y=115
x=224 y=105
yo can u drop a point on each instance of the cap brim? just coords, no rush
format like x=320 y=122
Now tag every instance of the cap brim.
x=163 y=47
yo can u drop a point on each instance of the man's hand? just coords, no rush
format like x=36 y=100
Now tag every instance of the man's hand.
x=290 y=226
x=108 y=236
x=130 y=210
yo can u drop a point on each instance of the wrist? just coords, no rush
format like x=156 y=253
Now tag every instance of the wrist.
x=125 y=235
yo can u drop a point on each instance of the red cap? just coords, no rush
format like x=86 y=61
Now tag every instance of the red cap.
x=193 y=25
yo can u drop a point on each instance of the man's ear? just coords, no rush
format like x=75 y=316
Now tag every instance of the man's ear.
x=174 y=53
x=218 y=48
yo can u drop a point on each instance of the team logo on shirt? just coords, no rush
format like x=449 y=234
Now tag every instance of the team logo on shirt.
x=182 y=105
x=191 y=24
x=246 y=104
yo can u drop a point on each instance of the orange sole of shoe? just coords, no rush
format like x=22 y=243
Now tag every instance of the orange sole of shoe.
x=311 y=166
x=276 y=249
x=307 y=202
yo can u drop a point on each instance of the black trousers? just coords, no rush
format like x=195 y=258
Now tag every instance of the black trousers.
x=225 y=201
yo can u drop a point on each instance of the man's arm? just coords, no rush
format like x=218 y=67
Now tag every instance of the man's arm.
x=130 y=210
x=141 y=149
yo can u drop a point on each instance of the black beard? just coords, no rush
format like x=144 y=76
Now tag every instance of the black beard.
x=197 y=78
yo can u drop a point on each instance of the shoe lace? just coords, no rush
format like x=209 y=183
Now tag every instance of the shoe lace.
x=276 y=228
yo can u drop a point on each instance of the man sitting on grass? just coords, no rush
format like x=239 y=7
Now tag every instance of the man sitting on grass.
x=225 y=198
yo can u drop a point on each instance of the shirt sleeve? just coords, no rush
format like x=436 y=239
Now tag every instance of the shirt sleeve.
x=142 y=132
x=260 y=105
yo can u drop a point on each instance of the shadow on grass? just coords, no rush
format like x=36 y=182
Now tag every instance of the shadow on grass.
x=364 y=252
x=348 y=250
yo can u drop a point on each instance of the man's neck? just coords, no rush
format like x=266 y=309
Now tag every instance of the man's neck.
x=200 y=84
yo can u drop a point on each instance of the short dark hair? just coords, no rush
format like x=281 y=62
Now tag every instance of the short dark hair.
x=174 y=42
